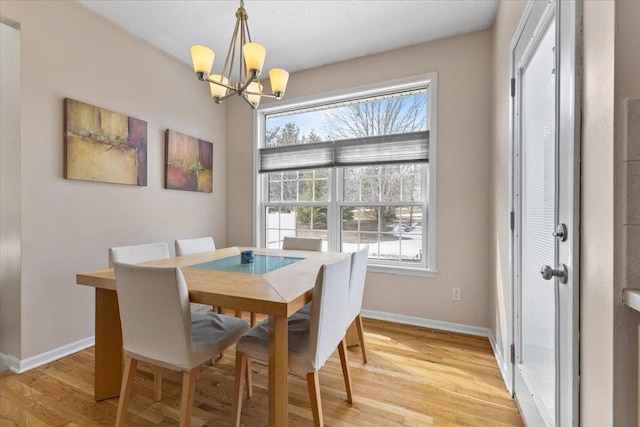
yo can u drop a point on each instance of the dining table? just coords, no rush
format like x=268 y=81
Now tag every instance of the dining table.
x=277 y=283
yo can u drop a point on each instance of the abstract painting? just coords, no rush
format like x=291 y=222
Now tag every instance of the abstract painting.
x=189 y=163
x=103 y=146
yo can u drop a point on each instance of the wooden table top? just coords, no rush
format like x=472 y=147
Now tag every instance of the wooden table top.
x=279 y=292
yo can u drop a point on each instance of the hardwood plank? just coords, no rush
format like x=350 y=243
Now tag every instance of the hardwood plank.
x=414 y=377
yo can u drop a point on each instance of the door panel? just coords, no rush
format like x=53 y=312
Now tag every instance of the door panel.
x=545 y=195
x=538 y=219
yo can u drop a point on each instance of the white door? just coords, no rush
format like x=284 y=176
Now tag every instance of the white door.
x=545 y=206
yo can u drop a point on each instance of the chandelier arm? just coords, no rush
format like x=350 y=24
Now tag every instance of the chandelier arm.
x=265 y=95
x=248 y=102
x=242 y=69
x=208 y=79
x=231 y=93
x=231 y=52
x=251 y=79
x=248 y=32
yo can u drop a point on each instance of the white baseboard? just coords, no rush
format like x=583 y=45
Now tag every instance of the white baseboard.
x=503 y=364
x=427 y=323
x=8 y=362
x=19 y=366
x=450 y=327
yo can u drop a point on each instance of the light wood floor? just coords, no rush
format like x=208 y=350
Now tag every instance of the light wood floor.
x=415 y=377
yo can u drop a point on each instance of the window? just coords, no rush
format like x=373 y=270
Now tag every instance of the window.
x=354 y=168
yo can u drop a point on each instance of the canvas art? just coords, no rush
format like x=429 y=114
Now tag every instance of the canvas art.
x=103 y=146
x=189 y=163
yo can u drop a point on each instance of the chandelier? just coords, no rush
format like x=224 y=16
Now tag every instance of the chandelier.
x=251 y=60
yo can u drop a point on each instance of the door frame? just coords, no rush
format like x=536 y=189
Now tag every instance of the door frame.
x=569 y=95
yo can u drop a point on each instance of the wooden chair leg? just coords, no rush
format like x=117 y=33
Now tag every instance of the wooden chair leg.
x=344 y=361
x=157 y=383
x=241 y=367
x=130 y=365
x=249 y=379
x=361 y=337
x=313 y=384
x=253 y=318
x=189 y=379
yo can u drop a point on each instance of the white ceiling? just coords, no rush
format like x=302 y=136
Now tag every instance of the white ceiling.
x=298 y=34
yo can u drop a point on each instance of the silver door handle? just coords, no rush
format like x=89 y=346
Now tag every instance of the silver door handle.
x=561 y=273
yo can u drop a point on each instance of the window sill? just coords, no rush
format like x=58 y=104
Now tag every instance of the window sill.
x=402 y=271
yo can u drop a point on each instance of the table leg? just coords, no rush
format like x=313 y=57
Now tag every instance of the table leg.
x=108 y=348
x=278 y=371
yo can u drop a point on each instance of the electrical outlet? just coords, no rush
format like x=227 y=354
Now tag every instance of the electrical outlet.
x=456 y=295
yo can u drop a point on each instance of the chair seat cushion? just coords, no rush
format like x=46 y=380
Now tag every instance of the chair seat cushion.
x=255 y=343
x=211 y=333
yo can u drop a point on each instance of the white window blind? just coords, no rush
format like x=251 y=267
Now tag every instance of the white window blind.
x=371 y=150
x=296 y=157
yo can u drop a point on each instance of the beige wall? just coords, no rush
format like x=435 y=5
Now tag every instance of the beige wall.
x=500 y=306
x=626 y=174
x=67 y=226
x=463 y=65
x=596 y=246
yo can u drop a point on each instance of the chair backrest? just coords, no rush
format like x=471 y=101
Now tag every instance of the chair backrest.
x=136 y=254
x=356 y=282
x=302 y=243
x=194 y=246
x=155 y=313
x=328 y=323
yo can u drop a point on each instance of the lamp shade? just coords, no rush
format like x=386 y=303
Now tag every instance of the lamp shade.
x=218 y=91
x=254 y=55
x=202 y=58
x=279 y=79
x=254 y=87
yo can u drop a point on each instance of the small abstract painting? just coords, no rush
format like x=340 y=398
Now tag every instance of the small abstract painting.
x=189 y=163
x=103 y=146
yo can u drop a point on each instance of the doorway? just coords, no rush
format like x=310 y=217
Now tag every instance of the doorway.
x=10 y=196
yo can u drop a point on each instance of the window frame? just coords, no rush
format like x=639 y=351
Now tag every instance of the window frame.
x=336 y=173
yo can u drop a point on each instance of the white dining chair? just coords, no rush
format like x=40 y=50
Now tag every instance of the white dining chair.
x=312 y=339
x=159 y=328
x=194 y=246
x=136 y=254
x=356 y=282
x=357 y=278
x=302 y=243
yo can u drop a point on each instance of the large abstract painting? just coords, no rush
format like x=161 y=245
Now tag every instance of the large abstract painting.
x=103 y=146
x=189 y=163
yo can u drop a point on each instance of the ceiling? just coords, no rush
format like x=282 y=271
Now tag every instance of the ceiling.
x=298 y=34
